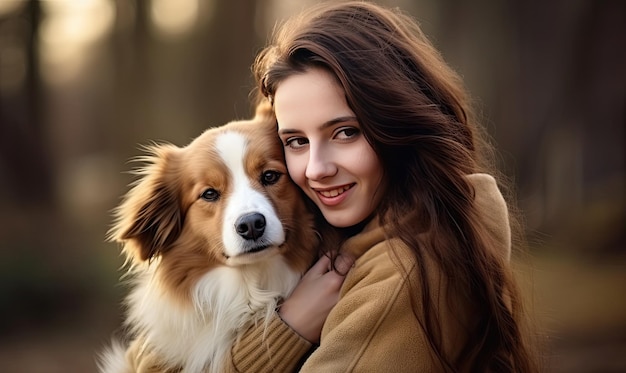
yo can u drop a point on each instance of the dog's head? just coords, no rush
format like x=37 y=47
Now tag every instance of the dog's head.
x=224 y=199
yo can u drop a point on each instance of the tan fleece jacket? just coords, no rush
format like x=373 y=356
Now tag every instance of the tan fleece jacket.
x=373 y=328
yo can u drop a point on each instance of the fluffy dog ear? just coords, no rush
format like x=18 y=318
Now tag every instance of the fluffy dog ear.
x=263 y=109
x=150 y=218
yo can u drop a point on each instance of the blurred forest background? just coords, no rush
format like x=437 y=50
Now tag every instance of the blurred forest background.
x=84 y=82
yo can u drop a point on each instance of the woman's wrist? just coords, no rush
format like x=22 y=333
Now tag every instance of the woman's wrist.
x=296 y=320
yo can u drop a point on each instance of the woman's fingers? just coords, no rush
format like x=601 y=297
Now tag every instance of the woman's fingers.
x=341 y=265
x=320 y=267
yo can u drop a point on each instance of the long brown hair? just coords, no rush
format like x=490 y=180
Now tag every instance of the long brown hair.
x=414 y=112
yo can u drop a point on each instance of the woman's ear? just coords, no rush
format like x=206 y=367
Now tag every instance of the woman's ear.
x=150 y=218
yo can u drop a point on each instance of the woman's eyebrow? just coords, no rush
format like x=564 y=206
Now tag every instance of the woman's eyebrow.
x=329 y=123
x=338 y=120
x=287 y=131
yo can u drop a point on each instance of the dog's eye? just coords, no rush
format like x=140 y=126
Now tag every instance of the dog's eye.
x=270 y=177
x=210 y=195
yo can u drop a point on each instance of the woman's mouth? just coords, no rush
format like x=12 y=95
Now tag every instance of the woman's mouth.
x=333 y=196
x=334 y=192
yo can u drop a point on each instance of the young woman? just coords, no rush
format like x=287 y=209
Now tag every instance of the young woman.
x=378 y=133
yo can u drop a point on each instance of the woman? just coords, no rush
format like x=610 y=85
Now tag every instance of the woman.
x=378 y=133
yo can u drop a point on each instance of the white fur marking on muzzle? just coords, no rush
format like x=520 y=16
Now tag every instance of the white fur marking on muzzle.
x=245 y=199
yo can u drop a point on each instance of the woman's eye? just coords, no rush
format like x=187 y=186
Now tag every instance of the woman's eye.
x=347 y=132
x=296 y=142
x=270 y=177
x=210 y=195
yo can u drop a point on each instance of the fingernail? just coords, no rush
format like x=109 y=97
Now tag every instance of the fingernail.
x=343 y=263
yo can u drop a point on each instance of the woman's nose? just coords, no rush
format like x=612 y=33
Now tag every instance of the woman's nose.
x=320 y=164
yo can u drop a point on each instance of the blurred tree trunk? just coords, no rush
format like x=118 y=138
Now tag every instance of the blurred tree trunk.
x=568 y=132
x=24 y=151
x=172 y=89
x=229 y=47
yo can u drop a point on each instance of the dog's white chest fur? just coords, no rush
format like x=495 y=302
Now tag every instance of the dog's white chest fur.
x=226 y=300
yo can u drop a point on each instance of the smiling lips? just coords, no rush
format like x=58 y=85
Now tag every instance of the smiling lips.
x=330 y=194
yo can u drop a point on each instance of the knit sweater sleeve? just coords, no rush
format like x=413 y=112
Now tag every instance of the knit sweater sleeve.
x=274 y=347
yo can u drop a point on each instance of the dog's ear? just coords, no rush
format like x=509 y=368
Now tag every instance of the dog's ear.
x=263 y=109
x=150 y=218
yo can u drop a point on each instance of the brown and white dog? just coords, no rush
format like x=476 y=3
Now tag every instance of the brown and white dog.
x=214 y=235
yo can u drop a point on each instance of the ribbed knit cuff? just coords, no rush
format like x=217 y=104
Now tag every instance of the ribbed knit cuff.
x=277 y=348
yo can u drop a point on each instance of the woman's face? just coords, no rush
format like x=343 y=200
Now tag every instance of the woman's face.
x=326 y=152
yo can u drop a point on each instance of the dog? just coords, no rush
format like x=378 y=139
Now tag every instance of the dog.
x=214 y=235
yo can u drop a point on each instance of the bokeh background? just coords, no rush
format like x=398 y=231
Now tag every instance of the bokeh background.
x=84 y=82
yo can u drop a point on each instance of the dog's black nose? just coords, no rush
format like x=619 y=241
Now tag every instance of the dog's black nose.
x=250 y=226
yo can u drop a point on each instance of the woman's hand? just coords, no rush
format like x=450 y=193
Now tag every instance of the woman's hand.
x=305 y=311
